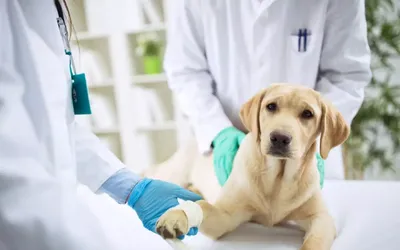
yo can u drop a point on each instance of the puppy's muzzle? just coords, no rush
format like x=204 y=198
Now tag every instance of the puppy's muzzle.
x=280 y=144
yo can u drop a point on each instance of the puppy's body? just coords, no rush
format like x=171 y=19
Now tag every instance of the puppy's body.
x=269 y=184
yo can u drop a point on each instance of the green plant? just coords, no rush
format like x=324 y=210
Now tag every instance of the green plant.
x=379 y=116
x=148 y=45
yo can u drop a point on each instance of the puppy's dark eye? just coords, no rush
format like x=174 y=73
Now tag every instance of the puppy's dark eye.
x=272 y=107
x=307 y=114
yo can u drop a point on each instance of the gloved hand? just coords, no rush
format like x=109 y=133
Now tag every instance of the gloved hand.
x=226 y=145
x=321 y=169
x=152 y=198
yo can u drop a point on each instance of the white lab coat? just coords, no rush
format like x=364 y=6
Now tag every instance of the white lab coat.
x=43 y=152
x=220 y=53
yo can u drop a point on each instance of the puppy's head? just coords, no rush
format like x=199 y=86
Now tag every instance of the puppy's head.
x=286 y=120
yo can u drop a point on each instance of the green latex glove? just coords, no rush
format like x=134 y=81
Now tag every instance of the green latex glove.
x=226 y=145
x=321 y=169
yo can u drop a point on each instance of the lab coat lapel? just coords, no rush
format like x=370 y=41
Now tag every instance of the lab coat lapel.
x=261 y=5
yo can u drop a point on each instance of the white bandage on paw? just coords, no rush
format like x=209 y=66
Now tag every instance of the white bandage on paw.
x=193 y=212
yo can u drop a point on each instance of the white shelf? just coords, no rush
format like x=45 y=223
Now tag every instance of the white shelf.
x=134 y=143
x=101 y=86
x=105 y=131
x=149 y=28
x=84 y=35
x=145 y=79
x=104 y=84
x=169 y=125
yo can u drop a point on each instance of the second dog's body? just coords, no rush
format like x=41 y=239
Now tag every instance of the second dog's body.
x=274 y=178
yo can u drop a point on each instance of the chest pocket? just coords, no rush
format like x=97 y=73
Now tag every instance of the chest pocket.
x=303 y=50
x=304 y=38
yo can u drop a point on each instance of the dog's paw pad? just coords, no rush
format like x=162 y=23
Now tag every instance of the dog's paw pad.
x=167 y=234
x=172 y=224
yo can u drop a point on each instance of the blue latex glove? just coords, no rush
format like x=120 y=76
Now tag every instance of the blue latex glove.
x=152 y=198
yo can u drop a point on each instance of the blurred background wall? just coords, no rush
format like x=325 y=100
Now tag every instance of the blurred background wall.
x=372 y=150
x=120 y=45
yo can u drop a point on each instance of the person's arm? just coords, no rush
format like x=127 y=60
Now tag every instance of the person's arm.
x=188 y=73
x=99 y=169
x=36 y=211
x=102 y=172
x=345 y=60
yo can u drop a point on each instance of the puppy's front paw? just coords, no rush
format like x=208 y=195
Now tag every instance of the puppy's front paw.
x=314 y=246
x=172 y=224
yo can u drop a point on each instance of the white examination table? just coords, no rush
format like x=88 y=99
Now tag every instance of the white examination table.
x=367 y=217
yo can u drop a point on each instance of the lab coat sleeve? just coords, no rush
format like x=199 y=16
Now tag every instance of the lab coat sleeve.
x=345 y=60
x=188 y=73
x=120 y=185
x=36 y=211
x=95 y=162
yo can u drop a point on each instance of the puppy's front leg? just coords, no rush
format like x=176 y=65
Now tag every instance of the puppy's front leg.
x=320 y=232
x=222 y=218
x=318 y=224
x=217 y=220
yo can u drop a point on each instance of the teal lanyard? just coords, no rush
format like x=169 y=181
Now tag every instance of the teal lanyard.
x=80 y=93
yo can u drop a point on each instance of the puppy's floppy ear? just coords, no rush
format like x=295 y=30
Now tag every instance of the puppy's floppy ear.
x=334 y=129
x=250 y=113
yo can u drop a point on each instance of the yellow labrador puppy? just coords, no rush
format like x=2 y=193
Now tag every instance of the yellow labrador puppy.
x=274 y=178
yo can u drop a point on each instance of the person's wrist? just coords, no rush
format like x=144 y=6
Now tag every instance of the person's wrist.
x=131 y=191
x=137 y=191
x=120 y=185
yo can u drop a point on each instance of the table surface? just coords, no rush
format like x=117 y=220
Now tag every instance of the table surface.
x=366 y=215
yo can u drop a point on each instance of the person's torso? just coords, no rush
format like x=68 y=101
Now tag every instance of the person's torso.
x=48 y=86
x=250 y=44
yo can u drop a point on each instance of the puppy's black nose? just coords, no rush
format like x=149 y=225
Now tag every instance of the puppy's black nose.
x=280 y=139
